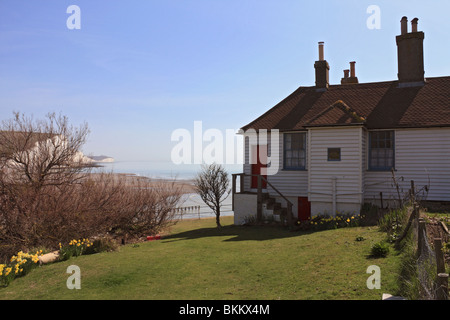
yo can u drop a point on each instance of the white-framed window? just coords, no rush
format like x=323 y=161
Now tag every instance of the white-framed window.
x=381 y=150
x=294 y=151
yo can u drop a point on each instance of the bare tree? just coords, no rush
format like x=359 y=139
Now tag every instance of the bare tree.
x=212 y=184
x=40 y=161
x=48 y=196
x=43 y=152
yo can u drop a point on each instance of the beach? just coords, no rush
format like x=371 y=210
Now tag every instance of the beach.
x=186 y=186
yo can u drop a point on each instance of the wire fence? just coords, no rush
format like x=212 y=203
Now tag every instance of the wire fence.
x=426 y=263
x=431 y=274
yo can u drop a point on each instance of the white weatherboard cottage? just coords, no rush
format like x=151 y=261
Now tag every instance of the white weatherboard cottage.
x=338 y=145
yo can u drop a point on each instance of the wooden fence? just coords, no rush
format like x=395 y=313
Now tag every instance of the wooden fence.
x=436 y=256
x=434 y=285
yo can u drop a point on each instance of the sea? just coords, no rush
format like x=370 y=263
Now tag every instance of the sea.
x=191 y=205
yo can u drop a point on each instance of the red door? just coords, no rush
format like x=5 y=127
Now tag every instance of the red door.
x=260 y=152
x=304 y=208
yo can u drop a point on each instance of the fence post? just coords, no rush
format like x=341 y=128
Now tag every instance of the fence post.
x=440 y=264
x=416 y=208
x=420 y=236
x=259 y=200
x=412 y=217
x=442 y=286
x=413 y=193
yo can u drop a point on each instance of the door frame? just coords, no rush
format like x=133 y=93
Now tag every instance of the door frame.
x=256 y=167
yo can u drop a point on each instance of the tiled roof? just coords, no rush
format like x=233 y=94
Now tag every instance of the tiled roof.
x=379 y=105
x=337 y=114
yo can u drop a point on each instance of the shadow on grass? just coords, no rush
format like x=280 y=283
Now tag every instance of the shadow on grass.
x=237 y=233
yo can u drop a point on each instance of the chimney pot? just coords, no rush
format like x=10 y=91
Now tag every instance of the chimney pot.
x=346 y=73
x=414 y=24
x=352 y=69
x=404 y=25
x=321 y=51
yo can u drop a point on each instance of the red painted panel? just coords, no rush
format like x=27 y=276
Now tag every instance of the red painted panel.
x=261 y=153
x=304 y=208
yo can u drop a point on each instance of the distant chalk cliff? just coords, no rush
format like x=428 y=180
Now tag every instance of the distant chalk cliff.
x=101 y=159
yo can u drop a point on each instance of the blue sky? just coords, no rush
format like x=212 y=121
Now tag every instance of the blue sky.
x=137 y=70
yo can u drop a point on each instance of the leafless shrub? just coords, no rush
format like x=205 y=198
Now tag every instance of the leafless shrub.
x=138 y=206
x=42 y=152
x=414 y=193
x=47 y=195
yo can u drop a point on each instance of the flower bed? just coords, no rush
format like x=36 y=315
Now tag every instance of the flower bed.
x=75 y=248
x=325 y=222
x=20 y=265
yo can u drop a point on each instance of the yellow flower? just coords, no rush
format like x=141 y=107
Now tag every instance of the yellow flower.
x=348 y=220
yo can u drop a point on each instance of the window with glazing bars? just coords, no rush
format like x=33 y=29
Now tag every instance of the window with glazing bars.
x=295 y=151
x=381 y=150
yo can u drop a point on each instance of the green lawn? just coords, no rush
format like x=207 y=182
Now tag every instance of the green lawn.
x=198 y=261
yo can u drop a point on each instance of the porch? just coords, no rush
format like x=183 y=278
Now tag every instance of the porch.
x=257 y=203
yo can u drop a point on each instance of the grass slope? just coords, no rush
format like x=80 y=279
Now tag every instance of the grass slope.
x=197 y=261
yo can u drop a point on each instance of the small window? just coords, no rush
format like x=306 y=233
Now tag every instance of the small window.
x=334 y=154
x=294 y=151
x=381 y=150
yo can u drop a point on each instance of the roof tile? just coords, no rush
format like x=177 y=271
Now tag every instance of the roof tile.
x=381 y=104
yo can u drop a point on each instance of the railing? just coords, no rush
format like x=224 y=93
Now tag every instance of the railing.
x=260 y=194
x=199 y=211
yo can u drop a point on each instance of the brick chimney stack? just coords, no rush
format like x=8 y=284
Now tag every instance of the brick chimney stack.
x=352 y=79
x=322 y=70
x=411 y=70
